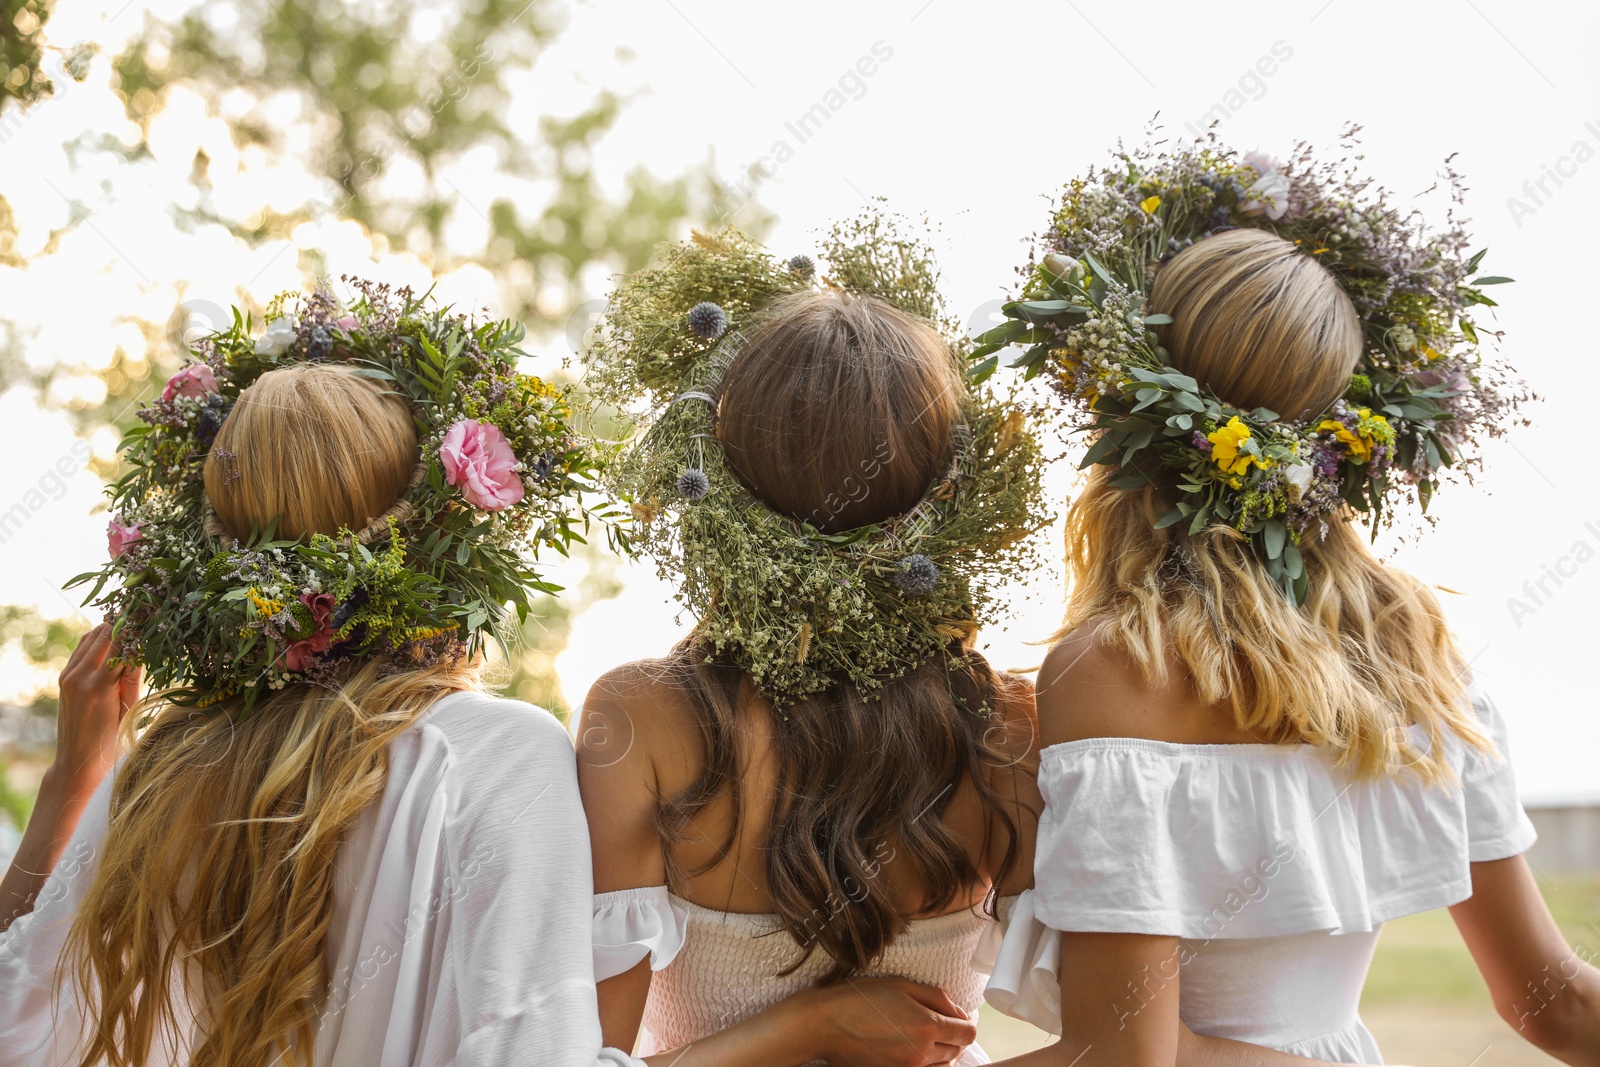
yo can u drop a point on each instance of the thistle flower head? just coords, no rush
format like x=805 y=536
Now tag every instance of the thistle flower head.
x=708 y=320
x=693 y=484
x=917 y=575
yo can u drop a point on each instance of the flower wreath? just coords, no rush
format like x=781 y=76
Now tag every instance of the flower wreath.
x=501 y=475
x=796 y=608
x=1421 y=397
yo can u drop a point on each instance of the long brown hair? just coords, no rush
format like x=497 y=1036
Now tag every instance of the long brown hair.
x=216 y=876
x=826 y=389
x=1369 y=652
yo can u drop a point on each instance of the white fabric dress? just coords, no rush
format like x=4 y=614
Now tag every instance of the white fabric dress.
x=715 y=968
x=1274 y=869
x=460 y=932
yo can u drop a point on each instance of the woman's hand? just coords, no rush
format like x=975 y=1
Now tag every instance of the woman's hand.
x=886 y=1022
x=95 y=698
x=860 y=1022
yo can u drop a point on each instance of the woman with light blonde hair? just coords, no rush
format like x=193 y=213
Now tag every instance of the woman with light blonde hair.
x=1259 y=741
x=323 y=842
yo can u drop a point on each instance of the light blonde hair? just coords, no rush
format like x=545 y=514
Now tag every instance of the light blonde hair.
x=273 y=457
x=1260 y=322
x=216 y=876
x=1368 y=652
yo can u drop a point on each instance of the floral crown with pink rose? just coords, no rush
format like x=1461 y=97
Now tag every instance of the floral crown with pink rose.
x=501 y=475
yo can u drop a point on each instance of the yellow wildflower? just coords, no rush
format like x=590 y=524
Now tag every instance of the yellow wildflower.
x=1149 y=204
x=1225 y=441
x=1358 y=443
x=264 y=605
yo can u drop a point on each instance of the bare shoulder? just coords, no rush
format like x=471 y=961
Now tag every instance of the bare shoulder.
x=633 y=717
x=1015 y=730
x=1089 y=688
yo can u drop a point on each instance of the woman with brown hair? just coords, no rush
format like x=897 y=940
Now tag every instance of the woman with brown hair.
x=1259 y=741
x=824 y=782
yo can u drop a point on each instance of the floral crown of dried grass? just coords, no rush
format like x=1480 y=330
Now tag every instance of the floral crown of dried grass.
x=796 y=608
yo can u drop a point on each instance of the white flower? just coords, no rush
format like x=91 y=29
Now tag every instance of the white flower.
x=277 y=339
x=1270 y=194
x=1261 y=163
x=1299 y=475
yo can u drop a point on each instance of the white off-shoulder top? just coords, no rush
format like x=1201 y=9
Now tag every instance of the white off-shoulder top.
x=1275 y=870
x=714 y=968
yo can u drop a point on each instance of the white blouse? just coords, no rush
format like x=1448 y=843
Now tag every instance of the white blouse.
x=1275 y=870
x=461 y=919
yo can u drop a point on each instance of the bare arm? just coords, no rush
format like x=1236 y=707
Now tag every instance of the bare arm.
x=94 y=699
x=1540 y=985
x=858 y=1023
x=1119 y=1007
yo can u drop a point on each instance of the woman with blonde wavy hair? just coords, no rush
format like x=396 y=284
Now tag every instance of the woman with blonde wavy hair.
x=371 y=861
x=1247 y=768
x=325 y=844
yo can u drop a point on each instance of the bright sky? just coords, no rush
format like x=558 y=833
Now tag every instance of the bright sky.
x=973 y=115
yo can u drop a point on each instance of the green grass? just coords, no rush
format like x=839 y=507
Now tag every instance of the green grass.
x=1421 y=957
x=13 y=802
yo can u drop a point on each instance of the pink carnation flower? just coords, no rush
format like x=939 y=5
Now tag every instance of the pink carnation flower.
x=194 y=380
x=478 y=459
x=119 y=535
x=347 y=323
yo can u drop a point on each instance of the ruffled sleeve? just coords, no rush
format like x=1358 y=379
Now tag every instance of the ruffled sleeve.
x=1497 y=826
x=1022 y=957
x=630 y=924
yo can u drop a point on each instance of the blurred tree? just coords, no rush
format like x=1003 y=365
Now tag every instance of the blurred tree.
x=22 y=54
x=532 y=676
x=45 y=643
x=387 y=110
x=399 y=88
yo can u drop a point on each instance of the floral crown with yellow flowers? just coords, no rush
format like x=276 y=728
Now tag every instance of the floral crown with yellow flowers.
x=500 y=475
x=1422 y=397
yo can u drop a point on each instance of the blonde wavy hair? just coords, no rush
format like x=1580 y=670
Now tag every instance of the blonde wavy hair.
x=214 y=888
x=1368 y=653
